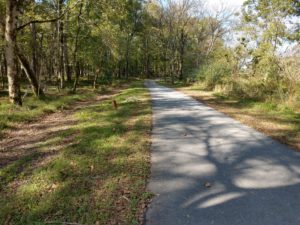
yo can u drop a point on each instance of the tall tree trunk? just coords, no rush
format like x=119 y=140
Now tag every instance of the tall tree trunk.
x=127 y=55
x=75 y=62
x=2 y=56
x=147 y=58
x=60 y=35
x=66 y=52
x=181 y=53
x=10 y=51
x=52 y=53
x=30 y=75
x=43 y=60
x=34 y=47
x=127 y=62
x=3 y=70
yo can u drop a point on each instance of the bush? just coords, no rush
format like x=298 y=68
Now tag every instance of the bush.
x=249 y=88
x=266 y=78
x=214 y=73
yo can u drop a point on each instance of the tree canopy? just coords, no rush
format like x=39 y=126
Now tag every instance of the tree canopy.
x=62 y=43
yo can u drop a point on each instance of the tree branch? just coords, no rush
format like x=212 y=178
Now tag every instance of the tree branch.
x=39 y=21
x=47 y=20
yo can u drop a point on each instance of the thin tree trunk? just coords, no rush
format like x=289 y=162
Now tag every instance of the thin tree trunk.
x=66 y=52
x=172 y=72
x=61 y=47
x=181 y=55
x=147 y=58
x=30 y=75
x=77 y=70
x=2 y=74
x=2 y=57
x=96 y=78
x=42 y=62
x=2 y=77
x=34 y=46
x=10 y=52
x=76 y=63
x=127 y=56
x=52 y=62
x=3 y=71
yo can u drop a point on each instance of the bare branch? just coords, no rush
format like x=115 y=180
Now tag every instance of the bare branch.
x=48 y=20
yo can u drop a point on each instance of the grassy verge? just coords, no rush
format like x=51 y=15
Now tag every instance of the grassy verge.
x=97 y=178
x=274 y=119
x=34 y=108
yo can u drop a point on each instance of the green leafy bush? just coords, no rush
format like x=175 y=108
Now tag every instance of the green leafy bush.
x=215 y=73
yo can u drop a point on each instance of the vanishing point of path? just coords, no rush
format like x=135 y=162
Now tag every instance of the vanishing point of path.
x=210 y=169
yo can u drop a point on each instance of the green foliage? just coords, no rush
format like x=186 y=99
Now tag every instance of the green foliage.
x=214 y=73
x=249 y=88
x=218 y=69
x=254 y=69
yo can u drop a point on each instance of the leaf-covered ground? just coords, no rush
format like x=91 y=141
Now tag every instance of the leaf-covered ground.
x=87 y=165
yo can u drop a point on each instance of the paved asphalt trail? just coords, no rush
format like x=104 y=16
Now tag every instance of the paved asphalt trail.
x=254 y=179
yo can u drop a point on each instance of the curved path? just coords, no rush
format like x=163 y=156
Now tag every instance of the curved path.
x=210 y=169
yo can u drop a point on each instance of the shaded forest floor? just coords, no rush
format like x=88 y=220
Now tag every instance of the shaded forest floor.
x=34 y=108
x=275 y=120
x=87 y=163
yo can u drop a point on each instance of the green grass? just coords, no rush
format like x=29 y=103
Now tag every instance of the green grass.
x=99 y=179
x=33 y=108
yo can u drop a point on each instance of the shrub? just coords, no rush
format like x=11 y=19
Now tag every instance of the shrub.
x=214 y=73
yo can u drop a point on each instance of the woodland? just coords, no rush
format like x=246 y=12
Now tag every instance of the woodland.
x=75 y=117
x=61 y=43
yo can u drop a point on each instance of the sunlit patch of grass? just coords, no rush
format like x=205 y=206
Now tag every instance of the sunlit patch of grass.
x=99 y=179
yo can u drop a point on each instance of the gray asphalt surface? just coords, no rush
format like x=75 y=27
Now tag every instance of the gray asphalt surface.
x=254 y=180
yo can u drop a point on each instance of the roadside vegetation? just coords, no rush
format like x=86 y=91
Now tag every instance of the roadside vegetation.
x=279 y=120
x=97 y=176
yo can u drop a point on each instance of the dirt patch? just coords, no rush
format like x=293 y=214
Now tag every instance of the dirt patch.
x=25 y=138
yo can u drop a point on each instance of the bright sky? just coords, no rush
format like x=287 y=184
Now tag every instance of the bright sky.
x=217 y=3
x=232 y=39
x=228 y=3
x=234 y=3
